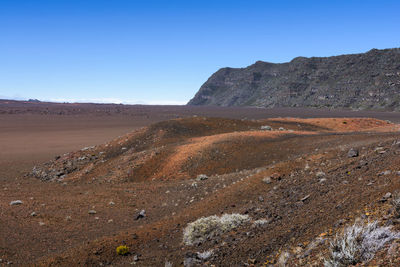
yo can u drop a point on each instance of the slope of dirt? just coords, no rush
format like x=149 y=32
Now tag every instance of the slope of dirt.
x=312 y=184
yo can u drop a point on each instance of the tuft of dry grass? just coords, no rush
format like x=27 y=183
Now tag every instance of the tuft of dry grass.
x=207 y=228
x=358 y=243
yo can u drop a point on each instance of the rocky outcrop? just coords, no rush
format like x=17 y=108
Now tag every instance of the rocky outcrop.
x=361 y=81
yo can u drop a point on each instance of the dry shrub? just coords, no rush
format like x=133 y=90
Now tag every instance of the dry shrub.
x=358 y=243
x=207 y=228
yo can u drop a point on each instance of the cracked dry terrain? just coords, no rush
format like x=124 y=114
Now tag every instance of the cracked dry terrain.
x=297 y=178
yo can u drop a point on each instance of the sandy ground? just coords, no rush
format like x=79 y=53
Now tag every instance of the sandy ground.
x=155 y=168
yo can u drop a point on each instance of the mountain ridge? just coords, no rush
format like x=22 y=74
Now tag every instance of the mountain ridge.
x=368 y=80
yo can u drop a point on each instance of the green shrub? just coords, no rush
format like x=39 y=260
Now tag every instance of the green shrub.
x=122 y=250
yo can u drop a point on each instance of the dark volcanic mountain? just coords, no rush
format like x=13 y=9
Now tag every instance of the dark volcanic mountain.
x=361 y=81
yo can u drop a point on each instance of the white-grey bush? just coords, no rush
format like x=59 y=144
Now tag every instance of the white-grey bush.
x=206 y=228
x=205 y=255
x=358 y=243
x=260 y=222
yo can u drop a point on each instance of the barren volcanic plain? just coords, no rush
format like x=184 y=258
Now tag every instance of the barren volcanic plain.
x=90 y=178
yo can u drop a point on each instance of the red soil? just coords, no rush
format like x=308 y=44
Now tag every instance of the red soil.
x=153 y=168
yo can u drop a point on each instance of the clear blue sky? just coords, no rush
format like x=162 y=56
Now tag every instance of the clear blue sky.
x=162 y=51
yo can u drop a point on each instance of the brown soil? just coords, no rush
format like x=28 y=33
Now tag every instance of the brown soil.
x=154 y=168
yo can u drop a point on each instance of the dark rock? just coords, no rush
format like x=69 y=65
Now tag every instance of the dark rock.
x=201 y=177
x=141 y=215
x=386 y=197
x=362 y=81
x=352 y=153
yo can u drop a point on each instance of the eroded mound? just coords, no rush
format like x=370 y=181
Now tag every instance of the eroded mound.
x=185 y=148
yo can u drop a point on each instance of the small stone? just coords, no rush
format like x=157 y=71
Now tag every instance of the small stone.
x=320 y=174
x=266 y=128
x=305 y=198
x=141 y=215
x=16 y=202
x=41 y=223
x=386 y=197
x=267 y=180
x=281 y=129
x=307 y=167
x=92 y=212
x=261 y=199
x=362 y=163
x=111 y=203
x=33 y=214
x=352 y=153
x=201 y=177
x=322 y=180
x=387 y=172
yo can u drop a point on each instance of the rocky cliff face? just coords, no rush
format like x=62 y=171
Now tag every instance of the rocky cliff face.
x=361 y=81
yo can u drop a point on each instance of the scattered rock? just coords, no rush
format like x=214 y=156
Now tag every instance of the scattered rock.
x=111 y=203
x=276 y=176
x=362 y=163
x=16 y=202
x=386 y=197
x=307 y=167
x=305 y=198
x=339 y=223
x=267 y=180
x=320 y=174
x=141 y=215
x=33 y=214
x=387 y=172
x=322 y=180
x=352 y=153
x=261 y=199
x=266 y=128
x=201 y=177
x=92 y=212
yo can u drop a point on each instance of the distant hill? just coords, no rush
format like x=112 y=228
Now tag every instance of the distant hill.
x=360 y=81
